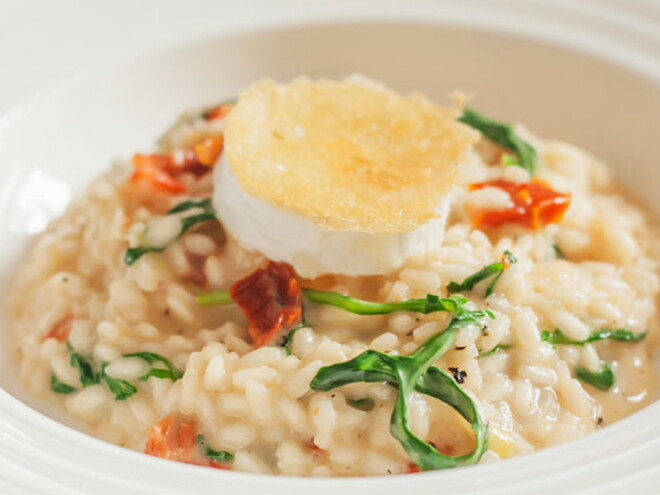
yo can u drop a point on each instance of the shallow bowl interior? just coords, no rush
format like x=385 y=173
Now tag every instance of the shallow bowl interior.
x=50 y=151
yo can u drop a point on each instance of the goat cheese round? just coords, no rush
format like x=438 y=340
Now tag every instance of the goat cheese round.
x=313 y=251
x=338 y=177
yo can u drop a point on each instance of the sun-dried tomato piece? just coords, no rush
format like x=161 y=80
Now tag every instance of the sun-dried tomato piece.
x=61 y=330
x=174 y=438
x=271 y=298
x=218 y=112
x=186 y=161
x=156 y=169
x=413 y=468
x=534 y=204
x=315 y=448
x=208 y=150
x=162 y=169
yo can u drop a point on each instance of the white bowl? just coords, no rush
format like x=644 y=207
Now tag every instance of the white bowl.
x=570 y=71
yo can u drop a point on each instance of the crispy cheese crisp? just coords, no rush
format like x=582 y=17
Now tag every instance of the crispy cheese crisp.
x=349 y=155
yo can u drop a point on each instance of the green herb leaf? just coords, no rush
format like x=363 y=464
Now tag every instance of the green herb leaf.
x=170 y=371
x=289 y=338
x=88 y=376
x=208 y=213
x=85 y=369
x=133 y=254
x=619 y=334
x=188 y=222
x=121 y=388
x=364 y=404
x=510 y=161
x=497 y=348
x=215 y=298
x=602 y=379
x=505 y=136
x=558 y=251
x=60 y=387
x=216 y=455
x=204 y=204
x=414 y=372
x=157 y=373
x=431 y=303
x=494 y=270
x=219 y=455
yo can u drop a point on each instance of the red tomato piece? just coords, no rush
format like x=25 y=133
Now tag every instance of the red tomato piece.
x=174 y=438
x=61 y=330
x=219 y=112
x=156 y=170
x=271 y=298
x=534 y=204
x=220 y=465
x=161 y=170
x=208 y=150
x=186 y=161
x=315 y=448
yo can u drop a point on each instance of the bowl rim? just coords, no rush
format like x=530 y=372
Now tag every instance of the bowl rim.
x=597 y=29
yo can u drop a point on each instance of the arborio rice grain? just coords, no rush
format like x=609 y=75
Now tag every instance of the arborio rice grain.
x=257 y=403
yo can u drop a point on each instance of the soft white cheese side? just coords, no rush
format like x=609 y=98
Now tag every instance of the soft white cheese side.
x=313 y=251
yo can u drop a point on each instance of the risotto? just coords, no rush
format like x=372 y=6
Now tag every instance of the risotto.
x=329 y=279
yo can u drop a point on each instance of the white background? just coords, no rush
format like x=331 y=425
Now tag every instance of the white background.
x=43 y=42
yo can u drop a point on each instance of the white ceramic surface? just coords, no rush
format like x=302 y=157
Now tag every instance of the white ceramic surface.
x=580 y=71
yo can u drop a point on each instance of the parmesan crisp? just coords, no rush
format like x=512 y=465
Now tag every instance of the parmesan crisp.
x=350 y=155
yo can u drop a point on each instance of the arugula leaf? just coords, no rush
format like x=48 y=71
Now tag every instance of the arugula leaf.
x=135 y=253
x=602 y=379
x=494 y=270
x=170 y=371
x=121 y=388
x=60 y=387
x=510 y=161
x=216 y=455
x=364 y=404
x=415 y=372
x=204 y=204
x=558 y=251
x=429 y=304
x=156 y=373
x=85 y=369
x=505 y=136
x=215 y=298
x=208 y=213
x=289 y=338
x=619 y=334
x=497 y=348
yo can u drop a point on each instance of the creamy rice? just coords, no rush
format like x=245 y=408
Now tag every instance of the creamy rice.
x=257 y=403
